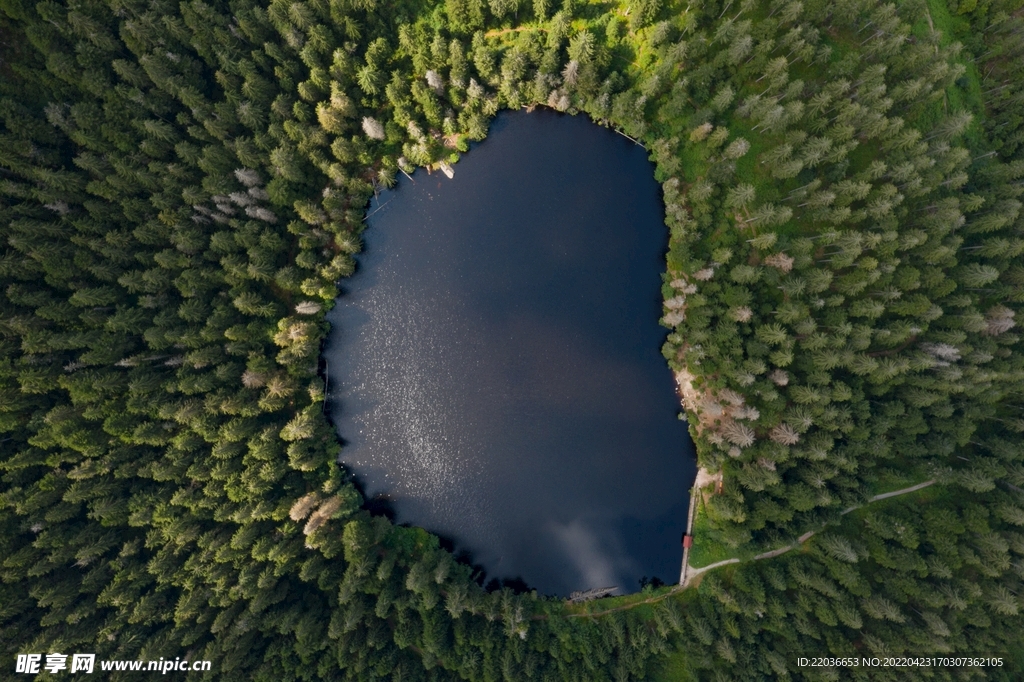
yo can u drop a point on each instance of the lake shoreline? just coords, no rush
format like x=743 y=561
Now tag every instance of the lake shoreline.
x=527 y=358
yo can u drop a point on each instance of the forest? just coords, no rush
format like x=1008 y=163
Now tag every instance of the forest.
x=183 y=186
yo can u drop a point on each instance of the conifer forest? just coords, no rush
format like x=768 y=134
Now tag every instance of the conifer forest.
x=183 y=185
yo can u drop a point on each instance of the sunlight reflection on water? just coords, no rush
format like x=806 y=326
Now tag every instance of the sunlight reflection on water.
x=495 y=362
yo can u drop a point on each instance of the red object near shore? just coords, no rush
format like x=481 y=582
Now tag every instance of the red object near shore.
x=687 y=541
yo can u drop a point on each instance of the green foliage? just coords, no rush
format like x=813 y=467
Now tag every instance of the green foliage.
x=182 y=186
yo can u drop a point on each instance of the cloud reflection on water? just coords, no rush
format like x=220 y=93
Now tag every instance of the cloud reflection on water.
x=597 y=564
x=495 y=362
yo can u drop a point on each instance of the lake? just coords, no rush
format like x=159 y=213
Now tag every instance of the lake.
x=495 y=363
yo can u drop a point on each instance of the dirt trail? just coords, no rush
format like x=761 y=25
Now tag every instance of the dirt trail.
x=692 y=573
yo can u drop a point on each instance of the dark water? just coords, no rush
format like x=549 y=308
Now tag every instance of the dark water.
x=495 y=363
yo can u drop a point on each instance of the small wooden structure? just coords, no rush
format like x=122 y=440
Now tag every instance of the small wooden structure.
x=581 y=596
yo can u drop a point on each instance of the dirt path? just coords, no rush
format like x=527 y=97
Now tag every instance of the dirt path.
x=625 y=607
x=690 y=573
x=895 y=493
x=689 y=531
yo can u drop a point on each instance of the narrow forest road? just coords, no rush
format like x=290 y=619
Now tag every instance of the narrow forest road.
x=690 y=573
